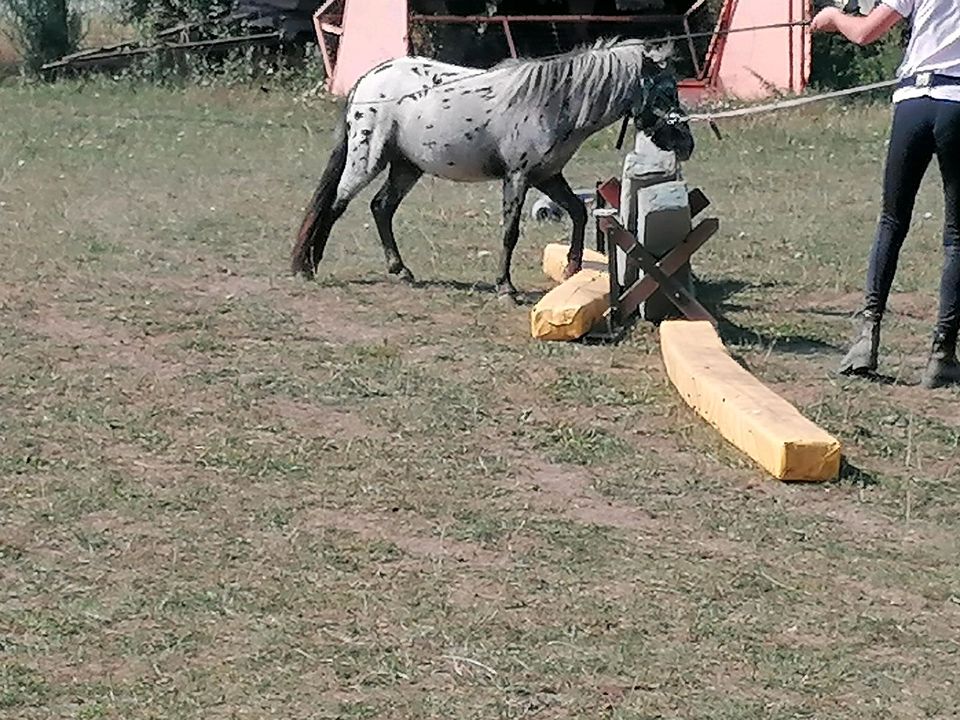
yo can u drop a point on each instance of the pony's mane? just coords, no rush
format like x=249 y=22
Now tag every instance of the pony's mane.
x=600 y=73
x=657 y=53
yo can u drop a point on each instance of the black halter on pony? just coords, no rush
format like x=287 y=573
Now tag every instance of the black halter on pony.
x=659 y=107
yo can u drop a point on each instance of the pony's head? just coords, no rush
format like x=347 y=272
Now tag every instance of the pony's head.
x=656 y=109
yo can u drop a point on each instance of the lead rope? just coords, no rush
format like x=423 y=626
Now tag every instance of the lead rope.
x=711 y=117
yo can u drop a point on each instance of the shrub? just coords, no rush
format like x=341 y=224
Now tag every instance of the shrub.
x=159 y=14
x=837 y=63
x=43 y=30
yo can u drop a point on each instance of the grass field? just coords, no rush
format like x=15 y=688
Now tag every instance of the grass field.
x=227 y=493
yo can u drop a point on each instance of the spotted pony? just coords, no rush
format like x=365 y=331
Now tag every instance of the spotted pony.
x=519 y=122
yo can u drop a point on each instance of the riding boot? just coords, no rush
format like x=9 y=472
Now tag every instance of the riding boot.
x=861 y=359
x=943 y=369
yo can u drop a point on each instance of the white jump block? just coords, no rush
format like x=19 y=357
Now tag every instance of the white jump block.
x=655 y=207
x=663 y=222
x=749 y=415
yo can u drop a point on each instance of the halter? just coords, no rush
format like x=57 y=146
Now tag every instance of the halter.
x=658 y=92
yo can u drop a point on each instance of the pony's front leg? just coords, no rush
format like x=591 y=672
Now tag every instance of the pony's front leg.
x=514 y=193
x=558 y=189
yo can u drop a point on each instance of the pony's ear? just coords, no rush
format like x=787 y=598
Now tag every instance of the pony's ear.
x=661 y=53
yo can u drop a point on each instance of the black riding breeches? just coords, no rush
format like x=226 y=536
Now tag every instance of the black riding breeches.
x=922 y=128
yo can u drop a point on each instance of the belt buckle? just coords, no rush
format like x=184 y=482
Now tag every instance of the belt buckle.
x=924 y=79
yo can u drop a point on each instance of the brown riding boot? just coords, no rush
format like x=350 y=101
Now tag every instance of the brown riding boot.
x=861 y=359
x=943 y=369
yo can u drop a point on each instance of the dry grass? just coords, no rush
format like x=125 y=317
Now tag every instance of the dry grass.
x=228 y=493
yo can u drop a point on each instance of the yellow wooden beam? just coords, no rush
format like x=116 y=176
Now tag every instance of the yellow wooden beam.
x=572 y=308
x=555 y=260
x=748 y=414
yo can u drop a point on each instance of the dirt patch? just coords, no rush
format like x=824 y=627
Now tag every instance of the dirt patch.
x=408 y=532
x=320 y=421
x=568 y=492
x=324 y=312
x=913 y=305
x=96 y=344
x=95 y=667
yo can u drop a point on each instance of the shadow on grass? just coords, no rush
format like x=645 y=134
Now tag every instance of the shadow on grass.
x=531 y=297
x=715 y=296
x=881 y=379
x=850 y=474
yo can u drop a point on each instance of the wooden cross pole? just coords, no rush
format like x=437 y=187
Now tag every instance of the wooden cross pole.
x=658 y=273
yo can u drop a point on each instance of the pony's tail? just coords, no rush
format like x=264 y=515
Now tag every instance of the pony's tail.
x=315 y=228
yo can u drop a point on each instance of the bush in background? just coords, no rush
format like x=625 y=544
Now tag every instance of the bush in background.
x=839 y=64
x=43 y=30
x=153 y=15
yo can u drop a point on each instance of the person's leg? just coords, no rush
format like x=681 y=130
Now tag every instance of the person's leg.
x=911 y=148
x=943 y=368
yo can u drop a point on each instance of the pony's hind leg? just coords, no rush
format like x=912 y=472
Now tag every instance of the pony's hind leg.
x=514 y=192
x=401 y=179
x=558 y=189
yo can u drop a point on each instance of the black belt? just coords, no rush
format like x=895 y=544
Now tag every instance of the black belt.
x=928 y=80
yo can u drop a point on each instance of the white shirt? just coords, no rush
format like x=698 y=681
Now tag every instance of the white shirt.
x=934 y=45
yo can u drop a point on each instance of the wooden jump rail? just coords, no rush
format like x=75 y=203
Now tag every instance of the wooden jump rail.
x=594 y=305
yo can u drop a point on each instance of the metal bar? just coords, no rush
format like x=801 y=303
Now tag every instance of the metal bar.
x=324 y=50
x=672 y=290
x=240 y=40
x=693 y=48
x=693 y=8
x=98 y=50
x=491 y=19
x=615 y=318
x=791 y=36
x=598 y=204
x=723 y=22
x=646 y=19
x=804 y=30
x=700 y=70
x=197 y=44
x=322 y=10
x=506 y=31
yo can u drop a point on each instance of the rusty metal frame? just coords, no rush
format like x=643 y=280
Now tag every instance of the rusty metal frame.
x=324 y=22
x=327 y=22
x=505 y=20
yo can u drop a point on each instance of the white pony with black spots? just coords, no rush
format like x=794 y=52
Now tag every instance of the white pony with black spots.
x=519 y=122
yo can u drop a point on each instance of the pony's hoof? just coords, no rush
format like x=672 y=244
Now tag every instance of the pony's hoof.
x=572 y=269
x=403 y=275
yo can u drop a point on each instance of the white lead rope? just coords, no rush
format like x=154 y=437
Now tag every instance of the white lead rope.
x=785 y=104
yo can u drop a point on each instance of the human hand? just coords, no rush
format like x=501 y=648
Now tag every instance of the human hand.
x=826 y=20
